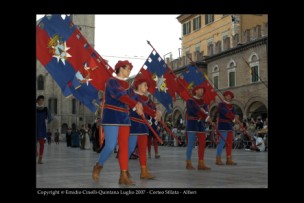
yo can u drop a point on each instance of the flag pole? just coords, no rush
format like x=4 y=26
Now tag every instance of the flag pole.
x=151 y=45
x=105 y=64
x=171 y=71
x=163 y=124
x=150 y=127
x=169 y=131
x=256 y=74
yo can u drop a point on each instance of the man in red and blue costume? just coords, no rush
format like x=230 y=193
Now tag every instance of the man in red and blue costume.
x=116 y=122
x=226 y=116
x=156 y=127
x=139 y=130
x=197 y=115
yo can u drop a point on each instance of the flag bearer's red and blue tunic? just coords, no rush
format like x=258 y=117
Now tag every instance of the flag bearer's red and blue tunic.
x=116 y=120
x=195 y=125
x=139 y=130
x=226 y=116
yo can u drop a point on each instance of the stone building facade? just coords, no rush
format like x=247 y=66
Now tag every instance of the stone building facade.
x=68 y=112
x=235 y=59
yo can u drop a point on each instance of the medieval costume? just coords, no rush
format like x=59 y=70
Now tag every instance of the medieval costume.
x=116 y=123
x=139 y=130
x=197 y=115
x=226 y=115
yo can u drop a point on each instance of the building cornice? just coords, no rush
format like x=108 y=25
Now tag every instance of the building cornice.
x=235 y=50
x=183 y=18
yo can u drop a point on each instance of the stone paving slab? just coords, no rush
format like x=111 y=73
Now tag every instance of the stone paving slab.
x=66 y=167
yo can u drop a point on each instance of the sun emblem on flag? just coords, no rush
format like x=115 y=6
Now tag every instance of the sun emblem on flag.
x=190 y=86
x=160 y=83
x=58 y=48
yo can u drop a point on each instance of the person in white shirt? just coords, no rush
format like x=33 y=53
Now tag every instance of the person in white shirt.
x=260 y=145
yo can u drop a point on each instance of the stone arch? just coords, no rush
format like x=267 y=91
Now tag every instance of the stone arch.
x=238 y=103
x=215 y=69
x=238 y=110
x=40 y=82
x=213 y=112
x=257 y=106
x=238 y=106
x=167 y=118
x=252 y=55
x=231 y=61
x=177 y=115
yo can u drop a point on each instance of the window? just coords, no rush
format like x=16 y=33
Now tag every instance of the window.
x=197 y=23
x=187 y=28
x=210 y=49
x=235 y=40
x=215 y=81
x=254 y=74
x=224 y=43
x=52 y=105
x=218 y=47
x=209 y=41
x=210 y=46
x=254 y=65
x=215 y=76
x=231 y=73
x=231 y=79
x=73 y=106
x=246 y=35
x=209 y=18
x=40 y=82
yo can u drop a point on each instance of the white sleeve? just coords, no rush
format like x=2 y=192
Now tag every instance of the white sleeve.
x=259 y=140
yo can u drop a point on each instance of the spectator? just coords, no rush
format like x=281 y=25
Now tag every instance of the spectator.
x=68 y=136
x=49 y=136
x=56 y=138
x=260 y=145
x=259 y=124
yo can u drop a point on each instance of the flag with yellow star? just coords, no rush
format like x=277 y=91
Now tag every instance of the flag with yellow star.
x=161 y=79
x=72 y=62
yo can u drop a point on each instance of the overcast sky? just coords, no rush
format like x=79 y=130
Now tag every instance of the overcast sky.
x=126 y=36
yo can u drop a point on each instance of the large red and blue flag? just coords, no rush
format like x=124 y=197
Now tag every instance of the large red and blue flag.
x=161 y=80
x=193 y=77
x=72 y=62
